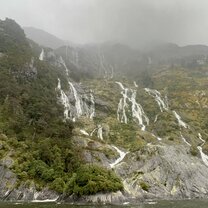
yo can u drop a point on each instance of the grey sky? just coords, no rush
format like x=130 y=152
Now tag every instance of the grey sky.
x=127 y=21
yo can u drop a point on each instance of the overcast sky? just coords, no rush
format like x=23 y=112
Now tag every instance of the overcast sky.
x=127 y=21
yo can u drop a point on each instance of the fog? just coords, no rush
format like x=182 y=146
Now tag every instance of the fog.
x=133 y=22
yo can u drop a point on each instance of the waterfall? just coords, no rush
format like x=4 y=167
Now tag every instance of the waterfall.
x=137 y=112
x=200 y=137
x=156 y=117
x=92 y=107
x=180 y=122
x=42 y=55
x=158 y=138
x=81 y=107
x=162 y=102
x=203 y=156
x=182 y=137
x=64 y=100
x=135 y=84
x=100 y=132
x=93 y=131
x=121 y=111
x=61 y=60
x=105 y=67
x=84 y=132
x=121 y=85
x=77 y=100
x=121 y=156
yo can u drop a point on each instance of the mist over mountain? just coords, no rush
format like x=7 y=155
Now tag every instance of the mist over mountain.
x=134 y=22
x=117 y=118
x=43 y=38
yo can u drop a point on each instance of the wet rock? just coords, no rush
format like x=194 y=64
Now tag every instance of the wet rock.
x=108 y=198
x=164 y=172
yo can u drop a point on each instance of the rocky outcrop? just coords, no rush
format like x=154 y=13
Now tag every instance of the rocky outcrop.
x=108 y=198
x=154 y=172
x=164 y=172
x=9 y=191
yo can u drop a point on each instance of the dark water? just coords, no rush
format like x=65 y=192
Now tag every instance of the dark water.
x=161 y=204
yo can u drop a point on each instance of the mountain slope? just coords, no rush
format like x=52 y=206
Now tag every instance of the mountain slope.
x=37 y=142
x=99 y=123
x=43 y=38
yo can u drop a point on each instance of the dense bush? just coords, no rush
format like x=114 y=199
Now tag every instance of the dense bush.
x=91 y=179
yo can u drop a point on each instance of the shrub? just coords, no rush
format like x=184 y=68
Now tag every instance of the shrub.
x=58 y=185
x=91 y=179
x=144 y=186
x=194 y=150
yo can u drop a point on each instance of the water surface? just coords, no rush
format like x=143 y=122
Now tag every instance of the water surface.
x=160 y=204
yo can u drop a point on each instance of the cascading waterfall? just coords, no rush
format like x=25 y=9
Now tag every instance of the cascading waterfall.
x=100 y=132
x=203 y=156
x=78 y=101
x=42 y=55
x=104 y=66
x=121 y=111
x=135 y=84
x=137 y=112
x=182 y=137
x=162 y=102
x=93 y=131
x=120 y=85
x=158 y=138
x=121 y=156
x=64 y=100
x=81 y=107
x=61 y=60
x=180 y=122
x=200 y=137
x=156 y=117
x=84 y=132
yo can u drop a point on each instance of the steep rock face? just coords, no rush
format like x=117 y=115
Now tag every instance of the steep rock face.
x=9 y=190
x=164 y=172
x=7 y=180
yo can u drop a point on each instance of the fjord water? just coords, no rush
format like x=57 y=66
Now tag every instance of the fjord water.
x=161 y=204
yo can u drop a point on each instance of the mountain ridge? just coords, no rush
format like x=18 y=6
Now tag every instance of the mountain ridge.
x=43 y=38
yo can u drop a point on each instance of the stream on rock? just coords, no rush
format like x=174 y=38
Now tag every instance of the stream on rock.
x=159 y=204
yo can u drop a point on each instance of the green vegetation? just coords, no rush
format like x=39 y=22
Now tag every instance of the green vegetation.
x=194 y=151
x=144 y=186
x=32 y=130
x=34 y=135
x=91 y=179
